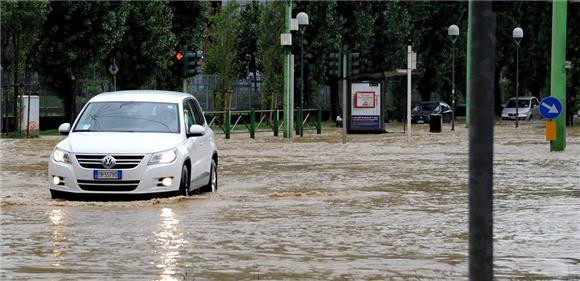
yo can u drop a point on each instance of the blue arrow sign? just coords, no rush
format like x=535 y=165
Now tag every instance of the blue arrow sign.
x=550 y=108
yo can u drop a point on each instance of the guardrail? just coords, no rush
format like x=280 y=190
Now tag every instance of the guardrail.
x=252 y=121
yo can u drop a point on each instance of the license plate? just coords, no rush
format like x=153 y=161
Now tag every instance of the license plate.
x=107 y=174
x=420 y=121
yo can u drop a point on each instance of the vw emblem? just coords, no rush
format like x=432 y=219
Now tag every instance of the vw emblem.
x=108 y=161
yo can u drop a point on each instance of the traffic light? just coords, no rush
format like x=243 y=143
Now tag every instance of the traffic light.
x=353 y=63
x=188 y=64
x=335 y=64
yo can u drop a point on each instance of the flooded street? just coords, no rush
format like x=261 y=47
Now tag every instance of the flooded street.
x=379 y=207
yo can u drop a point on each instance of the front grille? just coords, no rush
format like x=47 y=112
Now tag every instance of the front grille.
x=102 y=185
x=123 y=161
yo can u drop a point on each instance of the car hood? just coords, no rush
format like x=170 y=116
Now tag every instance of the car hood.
x=521 y=110
x=422 y=113
x=119 y=143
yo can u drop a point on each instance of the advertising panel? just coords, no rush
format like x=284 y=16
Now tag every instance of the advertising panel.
x=366 y=107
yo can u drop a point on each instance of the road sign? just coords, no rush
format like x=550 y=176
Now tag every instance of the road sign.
x=550 y=108
x=113 y=68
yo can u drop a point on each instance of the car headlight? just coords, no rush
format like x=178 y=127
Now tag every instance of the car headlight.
x=163 y=157
x=60 y=155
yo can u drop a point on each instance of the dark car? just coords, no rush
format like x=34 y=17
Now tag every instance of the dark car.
x=420 y=112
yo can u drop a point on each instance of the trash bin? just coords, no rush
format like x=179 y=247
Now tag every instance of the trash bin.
x=435 y=123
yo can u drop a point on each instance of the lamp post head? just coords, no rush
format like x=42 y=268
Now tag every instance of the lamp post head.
x=302 y=18
x=453 y=32
x=518 y=34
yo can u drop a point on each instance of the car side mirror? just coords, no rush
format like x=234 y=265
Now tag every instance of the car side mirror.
x=196 y=131
x=64 y=128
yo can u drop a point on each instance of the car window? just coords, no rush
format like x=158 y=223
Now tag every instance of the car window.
x=197 y=112
x=535 y=102
x=188 y=115
x=124 y=116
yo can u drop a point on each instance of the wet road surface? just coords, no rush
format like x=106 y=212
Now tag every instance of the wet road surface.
x=377 y=208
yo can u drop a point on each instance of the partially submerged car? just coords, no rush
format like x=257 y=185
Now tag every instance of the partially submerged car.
x=528 y=108
x=421 y=112
x=135 y=143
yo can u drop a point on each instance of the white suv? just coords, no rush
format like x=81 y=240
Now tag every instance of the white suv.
x=135 y=142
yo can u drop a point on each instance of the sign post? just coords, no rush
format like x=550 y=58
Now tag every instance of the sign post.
x=345 y=119
x=113 y=69
x=411 y=64
x=550 y=109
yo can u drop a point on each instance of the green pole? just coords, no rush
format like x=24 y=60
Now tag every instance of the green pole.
x=558 y=70
x=253 y=124
x=468 y=70
x=287 y=109
x=319 y=122
x=228 y=125
x=276 y=122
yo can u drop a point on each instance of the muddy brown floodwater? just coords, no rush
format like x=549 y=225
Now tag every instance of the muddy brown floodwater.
x=379 y=207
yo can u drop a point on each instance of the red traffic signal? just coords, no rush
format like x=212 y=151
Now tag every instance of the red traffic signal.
x=179 y=56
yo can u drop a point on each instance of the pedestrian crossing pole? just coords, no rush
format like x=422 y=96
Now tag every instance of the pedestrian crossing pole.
x=558 y=71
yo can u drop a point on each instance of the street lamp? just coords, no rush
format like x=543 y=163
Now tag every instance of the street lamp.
x=517 y=34
x=302 y=18
x=453 y=32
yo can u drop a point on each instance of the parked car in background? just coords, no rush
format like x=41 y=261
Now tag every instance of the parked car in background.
x=135 y=143
x=421 y=112
x=528 y=108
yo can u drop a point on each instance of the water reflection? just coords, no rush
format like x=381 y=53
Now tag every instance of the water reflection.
x=58 y=220
x=169 y=240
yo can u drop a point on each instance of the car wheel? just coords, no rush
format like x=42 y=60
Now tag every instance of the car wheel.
x=184 y=183
x=212 y=185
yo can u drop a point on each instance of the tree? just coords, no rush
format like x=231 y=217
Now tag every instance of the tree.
x=270 y=52
x=146 y=46
x=74 y=36
x=21 y=24
x=189 y=25
x=247 y=52
x=220 y=59
x=321 y=37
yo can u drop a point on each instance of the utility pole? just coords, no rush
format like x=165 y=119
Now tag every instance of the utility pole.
x=409 y=69
x=558 y=71
x=468 y=70
x=481 y=142
x=287 y=109
x=345 y=119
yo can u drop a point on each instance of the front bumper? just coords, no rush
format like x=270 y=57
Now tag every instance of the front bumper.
x=145 y=177
x=420 y=119
x=512 y=116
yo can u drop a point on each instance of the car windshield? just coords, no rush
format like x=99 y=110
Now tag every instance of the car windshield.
x=521 y=103
x=129 y=117
x=429 y=106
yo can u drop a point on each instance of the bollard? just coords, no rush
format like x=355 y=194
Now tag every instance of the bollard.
x=227 y=124
x=319 y=122
x=276 y=121
x=253 y=124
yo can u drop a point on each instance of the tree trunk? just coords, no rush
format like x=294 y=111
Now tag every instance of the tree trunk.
x=334 y=105
x=15 y=109
x=69 y=100
x=497 y=88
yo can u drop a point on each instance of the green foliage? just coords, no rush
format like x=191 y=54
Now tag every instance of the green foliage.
x=270 y=51
x=189 y=24
x=146 y=46
x=321 y=37
x=247 y=60
x=220 y=59
x=74 y=36
x=23 y=21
